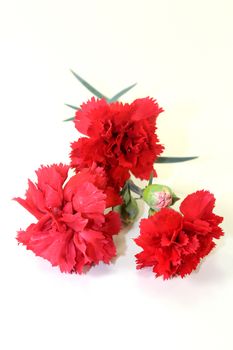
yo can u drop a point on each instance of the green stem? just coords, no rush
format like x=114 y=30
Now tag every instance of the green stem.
x=134 y=188
x=151 y=179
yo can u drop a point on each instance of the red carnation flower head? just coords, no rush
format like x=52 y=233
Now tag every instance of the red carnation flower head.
x=120 y=138
x=72 y=229
x=98 y=177
x=174 y=243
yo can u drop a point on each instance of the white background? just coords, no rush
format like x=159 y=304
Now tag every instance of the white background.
x=181 y=53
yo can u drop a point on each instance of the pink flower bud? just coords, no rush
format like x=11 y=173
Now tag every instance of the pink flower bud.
x=159 y=196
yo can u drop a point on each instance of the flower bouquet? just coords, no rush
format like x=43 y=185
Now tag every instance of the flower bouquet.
x=79 y=207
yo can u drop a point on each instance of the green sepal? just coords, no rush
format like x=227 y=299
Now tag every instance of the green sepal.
x=174 y=198
x=126 y=194
x=151 y=212
x=128 y=210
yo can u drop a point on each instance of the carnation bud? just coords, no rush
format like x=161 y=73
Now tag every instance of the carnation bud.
x=159 y=196
x=129 y=212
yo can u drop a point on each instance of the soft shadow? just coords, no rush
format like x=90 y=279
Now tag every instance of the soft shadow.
x=192 y=289
x=101 y=270
x=120 y=239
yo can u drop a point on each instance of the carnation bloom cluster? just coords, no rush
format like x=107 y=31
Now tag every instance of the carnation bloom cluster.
x=79 y=207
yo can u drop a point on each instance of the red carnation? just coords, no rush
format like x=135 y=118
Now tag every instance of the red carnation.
x=121 y=138
x=173 y=244
x=72 y=231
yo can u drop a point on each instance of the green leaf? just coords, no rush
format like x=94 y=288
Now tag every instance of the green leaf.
x=68 y=120
x=71 y=106
x=121 y=93
x=89 y=87
x=174 y=159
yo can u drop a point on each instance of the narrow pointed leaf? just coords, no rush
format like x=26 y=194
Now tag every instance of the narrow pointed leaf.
x=121 y=93
x=71 y=106
x=68 y=120
x=88 y=86
x=174 y=159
